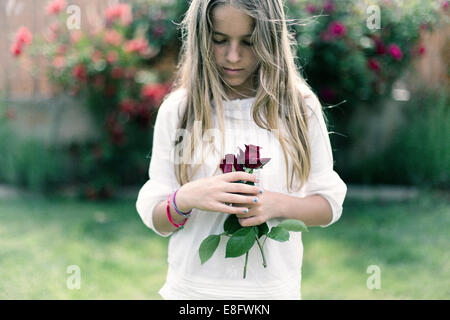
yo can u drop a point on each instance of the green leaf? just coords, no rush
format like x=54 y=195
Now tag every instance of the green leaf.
x=279 y=234
x=208 y=247
x=263 y=229
x=293 y=225
x=240 y=242
x=231 y=224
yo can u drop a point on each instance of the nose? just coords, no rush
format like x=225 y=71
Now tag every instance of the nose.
x=233 y=54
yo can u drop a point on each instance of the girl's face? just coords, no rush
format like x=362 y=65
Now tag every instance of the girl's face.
x=232 y=48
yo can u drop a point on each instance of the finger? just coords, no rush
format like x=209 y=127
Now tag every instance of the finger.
x=242 y=188
x=239 y=176
x=231 y=210
x=236 y=198
x=250 y=222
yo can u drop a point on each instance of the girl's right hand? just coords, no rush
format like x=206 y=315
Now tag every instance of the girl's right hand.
x=212 y=193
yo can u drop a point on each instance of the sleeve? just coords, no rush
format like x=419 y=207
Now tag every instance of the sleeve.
x=323 y=180
x=162 y=180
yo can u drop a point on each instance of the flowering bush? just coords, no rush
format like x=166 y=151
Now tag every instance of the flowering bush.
x=109 y=70
x=350 y=53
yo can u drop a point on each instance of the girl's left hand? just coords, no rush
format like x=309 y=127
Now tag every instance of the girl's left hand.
x=265 y=208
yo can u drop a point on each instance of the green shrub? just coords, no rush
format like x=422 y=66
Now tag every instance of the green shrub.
x=419 y=154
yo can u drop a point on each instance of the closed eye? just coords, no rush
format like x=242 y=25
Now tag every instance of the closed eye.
x=223 y=41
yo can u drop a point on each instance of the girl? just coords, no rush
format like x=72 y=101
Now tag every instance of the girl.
x=237 y=84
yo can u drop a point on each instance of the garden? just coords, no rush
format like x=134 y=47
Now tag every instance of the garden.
x=388 y=126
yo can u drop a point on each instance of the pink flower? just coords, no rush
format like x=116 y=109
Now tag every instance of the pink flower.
x=76 y=36
x=329 y=6
x=112 y=57
x=113 y=37
x=55 y=6
x=121 y=11
x=337 y=29
x=395 y=51
x=24 y=36
x=311 y=8
x=137 y=45
x=445 y=5
x=59 y=62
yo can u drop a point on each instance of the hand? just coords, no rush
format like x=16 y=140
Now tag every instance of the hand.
x=212 y=193
x=263 y=209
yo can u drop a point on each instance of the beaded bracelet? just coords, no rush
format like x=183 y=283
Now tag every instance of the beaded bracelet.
x=184 y=214
x=178 y=226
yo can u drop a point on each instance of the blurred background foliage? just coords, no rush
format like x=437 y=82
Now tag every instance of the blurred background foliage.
x=119 y=73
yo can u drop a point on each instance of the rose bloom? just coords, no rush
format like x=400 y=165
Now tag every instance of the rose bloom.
x=137 y=45
x=16 y=49
x=113 y=37
x=154 y=92
x=24 y=36
x=374 y=65
x=338 y=29
x=120 y=11
x=55 y=6
x=395 y=52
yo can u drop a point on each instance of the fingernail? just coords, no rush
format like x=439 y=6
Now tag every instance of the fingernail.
x=260 y=190
x=256 y=199
x=245 y=210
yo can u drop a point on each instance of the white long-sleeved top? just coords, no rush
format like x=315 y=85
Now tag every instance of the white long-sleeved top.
x=220 y=277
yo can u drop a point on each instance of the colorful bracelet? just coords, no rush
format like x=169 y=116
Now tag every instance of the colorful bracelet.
x=178 y=226
x=184 y=214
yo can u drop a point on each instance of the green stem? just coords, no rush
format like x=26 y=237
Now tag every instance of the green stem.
x=245 y=265
x=262 y=252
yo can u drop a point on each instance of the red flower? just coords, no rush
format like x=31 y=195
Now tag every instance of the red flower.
x=379 y=46
x=374 y=65
x=154 y=92
x=79 y=72
x=395 y=52
x=16 y=49
x=248 y=159
x=121 y=11
x=422 y=50
x=55 y=6
x=127 y=106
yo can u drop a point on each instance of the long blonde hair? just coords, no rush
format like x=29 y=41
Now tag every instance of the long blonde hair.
x=278 y=82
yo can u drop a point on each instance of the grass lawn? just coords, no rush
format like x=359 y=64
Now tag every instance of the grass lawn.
x=119 y=258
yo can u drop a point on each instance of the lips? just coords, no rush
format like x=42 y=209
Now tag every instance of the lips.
x=233 y=69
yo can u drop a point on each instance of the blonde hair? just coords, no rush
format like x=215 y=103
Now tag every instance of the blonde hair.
x=278 y=82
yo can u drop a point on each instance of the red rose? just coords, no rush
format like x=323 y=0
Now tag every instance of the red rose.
x=374 y=65
x=248 y=159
